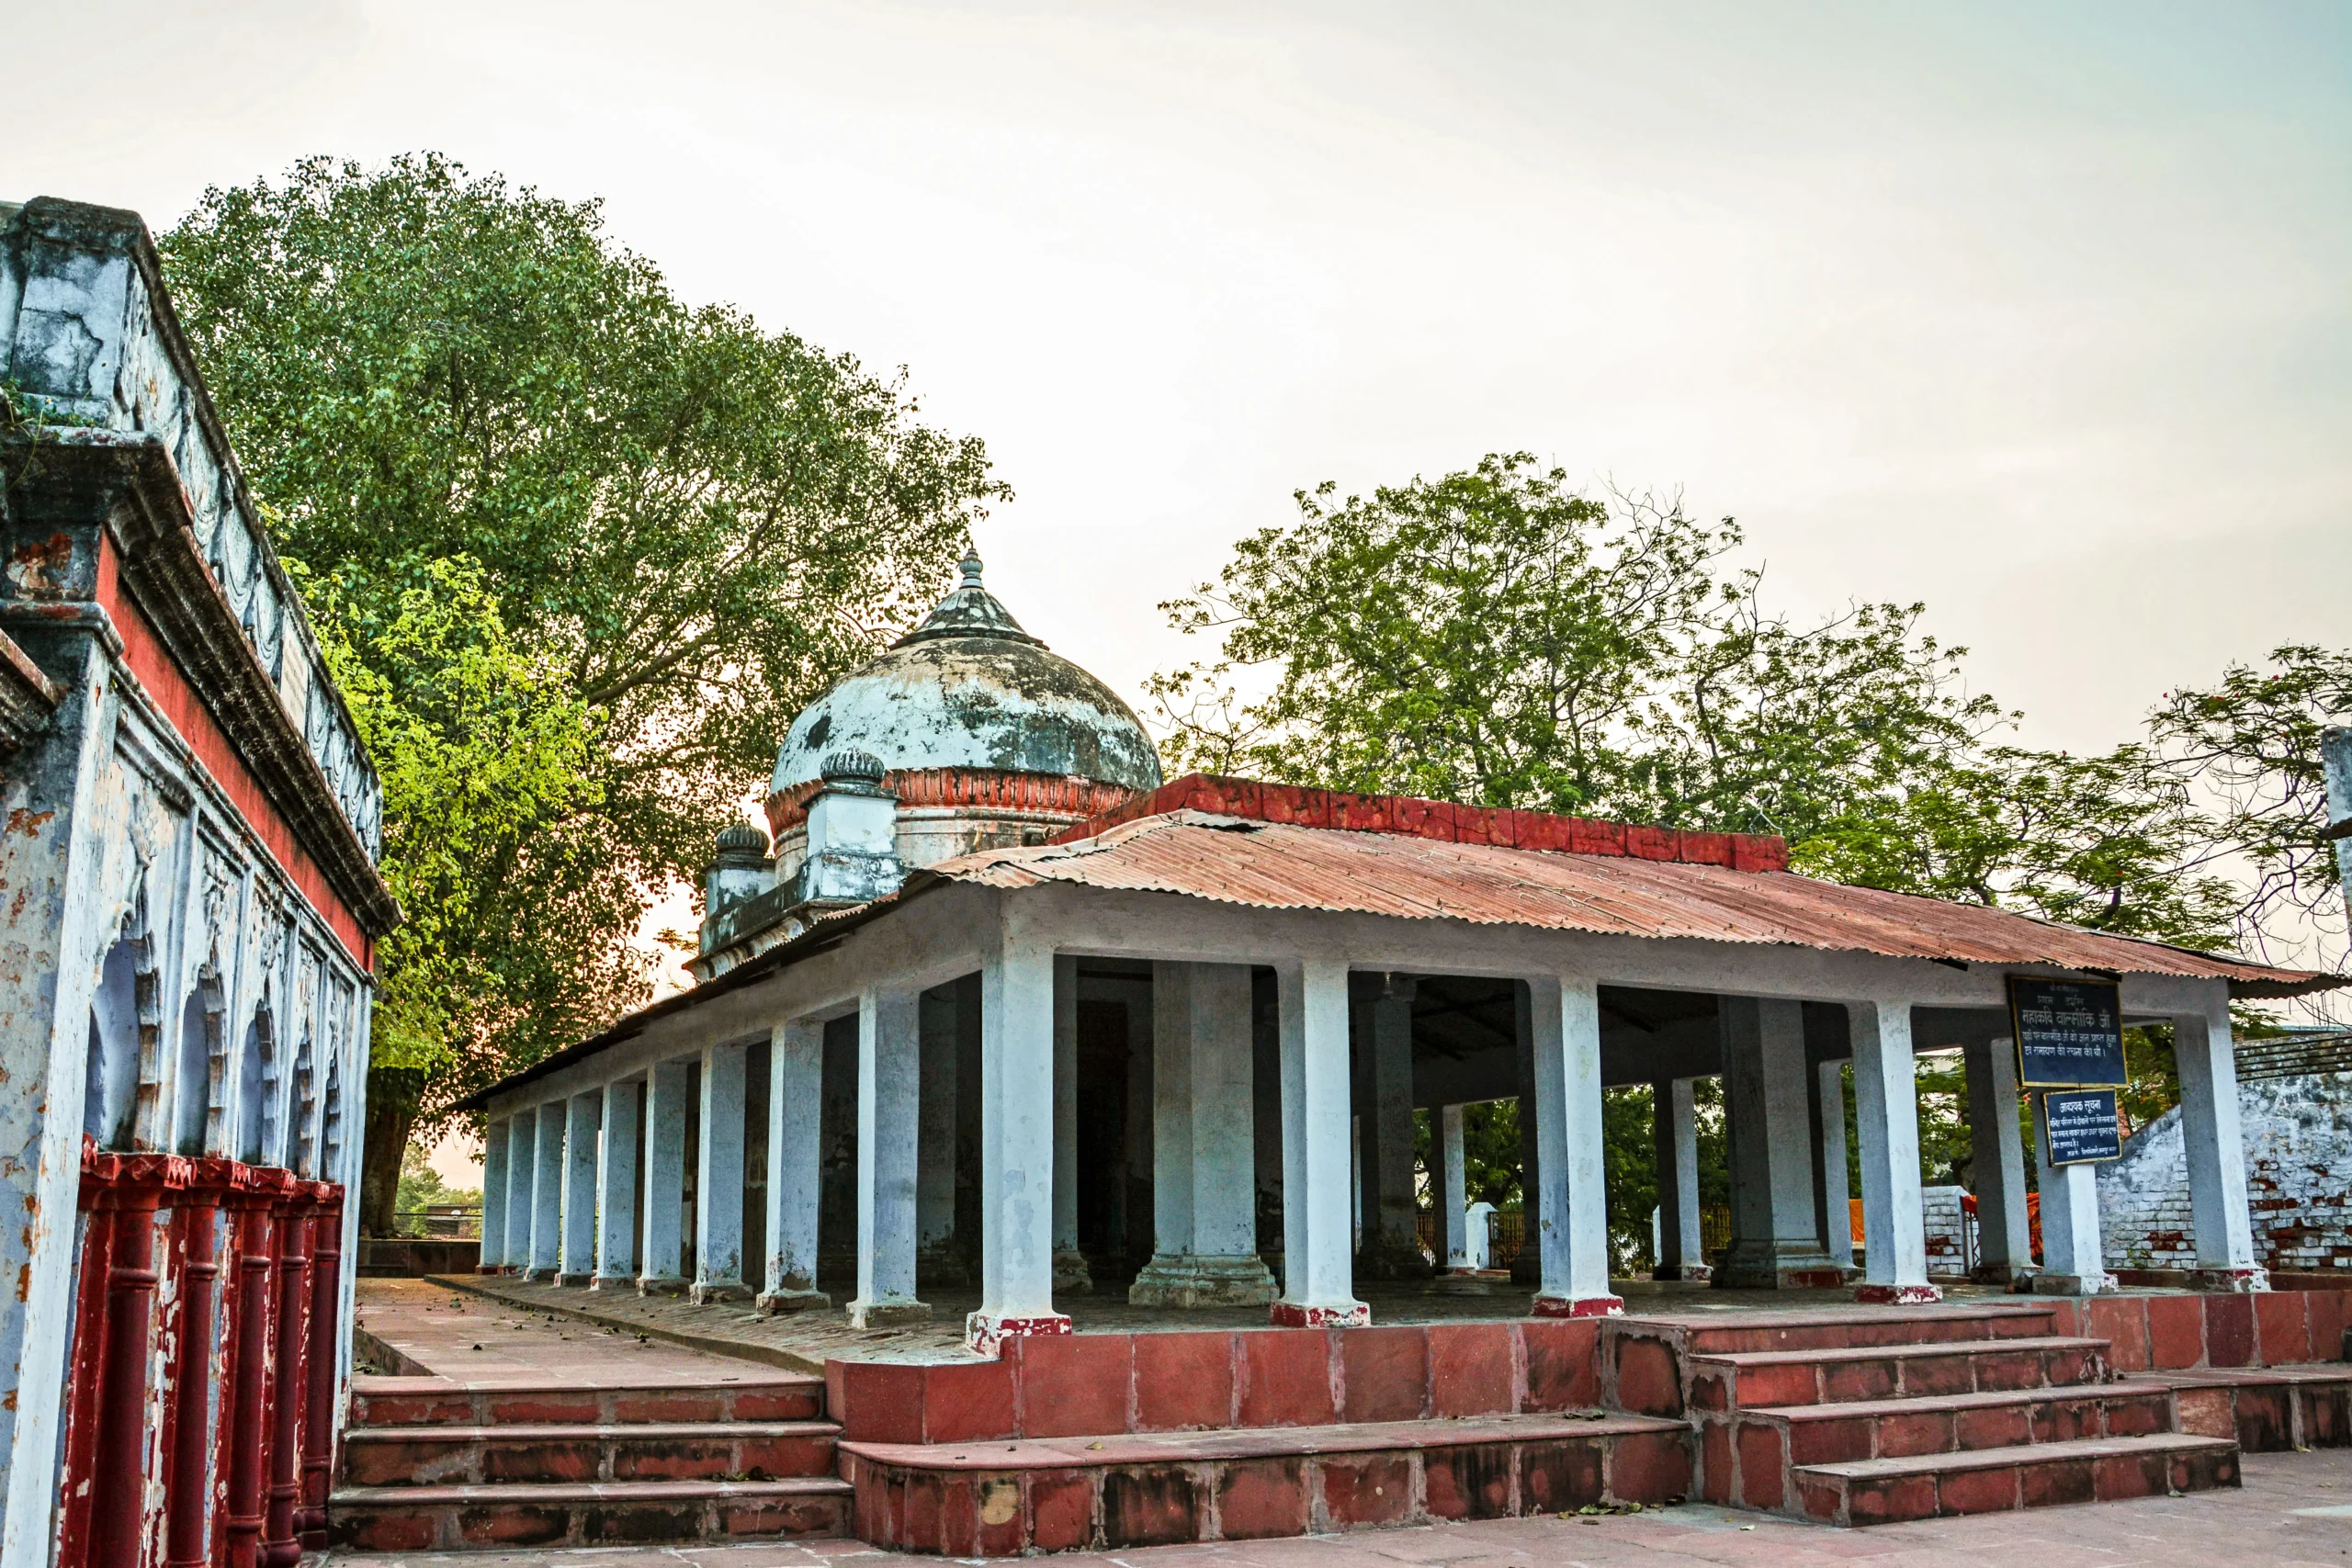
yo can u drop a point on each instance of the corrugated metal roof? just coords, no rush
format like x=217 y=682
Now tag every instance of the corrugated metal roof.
x=1281 y=866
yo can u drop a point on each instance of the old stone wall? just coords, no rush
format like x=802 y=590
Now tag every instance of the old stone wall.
x=2297 y=1136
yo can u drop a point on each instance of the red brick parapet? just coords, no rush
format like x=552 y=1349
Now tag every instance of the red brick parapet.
x=1501 y=827
x=1049 y=794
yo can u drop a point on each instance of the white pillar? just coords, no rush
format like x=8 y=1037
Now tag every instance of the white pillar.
x=1675 y=1142
x=795 y=1165
x=889 y=1064
x=1886 y=1121
x=665 y=1181
x=2073 y=1263
x=1317 y=1174
x=493 y=1198
x=1392 y=1246
x=935 y=1139
x=1205 y=1216
x=1454 y=1202
x=1838 y=1196
x=1566 y=1014
x=616 y=1188
x=719 y=1178
x=1017 y=1116
x=2206 y=1058
x=1071 y=1275
x=546 y=1193
x=522 y=1169
x=583 y=1115
x=2004 y=1228
x=1767 y=1104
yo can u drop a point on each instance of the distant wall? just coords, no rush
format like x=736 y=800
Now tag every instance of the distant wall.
x=2297 y=1136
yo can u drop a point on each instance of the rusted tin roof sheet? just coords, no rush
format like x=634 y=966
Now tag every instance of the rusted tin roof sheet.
x=1283 y=866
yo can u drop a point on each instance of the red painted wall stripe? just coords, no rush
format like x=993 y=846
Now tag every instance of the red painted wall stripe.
x=177 y=699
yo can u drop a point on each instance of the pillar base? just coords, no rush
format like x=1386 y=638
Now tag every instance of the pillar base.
x=661 y=1285
x=2044 y=1283
x=2243 y=1281
x=538 y=1276
x=612 y=1281
x=489 y=1268
x=1688 y=1273
x=985 y=1333
x=1183 y=1280
x=576 y=1281
x=2016 y=1277
x=888 y=1310
x=1320 y=1314
x=1391 y=1260
x=1777 y=1265
x=709 y=1292
x=1071 y=1277
x=1580 y=1306
x=776 y=1303
x=1898 y=1295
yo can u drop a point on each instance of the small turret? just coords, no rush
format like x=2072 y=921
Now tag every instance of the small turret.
x=853 y=834
x=738 y=870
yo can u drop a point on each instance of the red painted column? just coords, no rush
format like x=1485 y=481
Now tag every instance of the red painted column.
x=85 y=1372
x=119 y=1480
x=326 y=1321
x=188 y=1489
x=279 y=1546
x=245 y=1420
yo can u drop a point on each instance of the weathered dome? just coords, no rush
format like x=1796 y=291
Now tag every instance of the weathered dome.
x=969 y=689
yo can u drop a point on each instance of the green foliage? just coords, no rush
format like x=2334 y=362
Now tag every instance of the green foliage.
x=684 y=524
x=420 y=1185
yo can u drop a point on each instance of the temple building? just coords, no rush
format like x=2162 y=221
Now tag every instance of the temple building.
x=1000 y=1009
x=189 y=861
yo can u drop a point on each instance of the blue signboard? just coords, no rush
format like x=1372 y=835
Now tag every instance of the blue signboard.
x=2081 y=1125
x=2069 y=1032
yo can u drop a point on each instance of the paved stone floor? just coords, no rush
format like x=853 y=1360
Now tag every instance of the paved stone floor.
x=2295 y=1510
x=481 y=1343
x=803 y=1340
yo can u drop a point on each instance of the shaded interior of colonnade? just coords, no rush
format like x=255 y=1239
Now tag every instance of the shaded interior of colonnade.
x=1469 y=1045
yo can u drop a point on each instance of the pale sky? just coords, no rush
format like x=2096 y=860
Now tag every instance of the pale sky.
x=2040 y=314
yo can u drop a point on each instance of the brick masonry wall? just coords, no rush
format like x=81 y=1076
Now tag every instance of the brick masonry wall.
x=2298 y=1181
x=1944 y=1220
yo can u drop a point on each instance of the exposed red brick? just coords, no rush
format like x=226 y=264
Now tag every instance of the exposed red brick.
x=2000 y=1428
x=2122 y=1321
x=1285 y=1377
x=1260 y=1498
x=1820 y=1499
x=2052 y=1483
x=775 y=1459
x=526 y=1409
x=2118 y=1476
x=999 y=1529
x=1977 y=1491
x=515 y=1524
x=1778 y=1382
x=1842 y=1380
x=1384 y=1374
x=1061 y=1509
x=1470 y=1369
x=1829 y=1442
x=554 y=1461
x=1646 y=842
x=669 y=1404
x=1183 y=1380
x=876 y=1402
x=2175 y=1331
x=1073 y=1385
x=2205 y=1412
x=1714 y=1459
x=1367 y=1489
x=1647 y=1380
x=782 y=1403
x=2136 y=1417
x=390 y=1532
x=919 y=1522
x=2264 y=1420
x=1891 y=1499
x=1919 y=1432
x=1149 y=1506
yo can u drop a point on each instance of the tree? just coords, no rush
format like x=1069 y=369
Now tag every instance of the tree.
x=687 y=525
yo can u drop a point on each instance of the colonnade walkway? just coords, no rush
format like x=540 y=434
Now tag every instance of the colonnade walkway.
x=497 y=1413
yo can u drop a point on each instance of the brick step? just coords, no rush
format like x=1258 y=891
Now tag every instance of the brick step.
x=434 y=1401
x=1773 y=1378
x=1004 y=1497
x=1854 y=1329
x=2034 y=1475
x=2266 y=1409
x=648 y=1451
x=498 y=1518
x=1746 y=1455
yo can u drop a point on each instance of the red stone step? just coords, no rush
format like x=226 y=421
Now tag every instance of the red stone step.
x=2266 y=1409
x=1771 y=1378
x=461 y=1518
x=1004 y=1497
x=648 y=1451
x=428 y=1402
x=1856 y=1327
x=1746 y=1457
x=2035 y=1475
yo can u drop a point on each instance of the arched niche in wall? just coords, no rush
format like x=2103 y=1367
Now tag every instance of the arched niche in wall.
x=257 y=1088
x=121 y=1023
x=196 y=1128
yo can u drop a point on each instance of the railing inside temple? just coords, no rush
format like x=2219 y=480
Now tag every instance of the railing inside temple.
x=201 y=1389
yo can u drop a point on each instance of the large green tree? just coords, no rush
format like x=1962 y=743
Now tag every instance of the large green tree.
x=686 y=522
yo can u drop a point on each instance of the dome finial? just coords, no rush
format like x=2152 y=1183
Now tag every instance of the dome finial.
x=971 y=568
